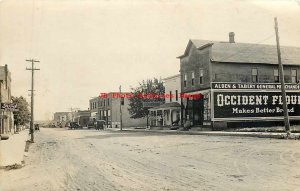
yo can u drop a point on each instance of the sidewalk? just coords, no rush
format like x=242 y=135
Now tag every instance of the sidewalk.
x=12 y=150
x=214 y=133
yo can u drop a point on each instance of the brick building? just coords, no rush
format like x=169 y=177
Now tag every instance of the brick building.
x=209 y=65
x=108 y=109
x=6 y=117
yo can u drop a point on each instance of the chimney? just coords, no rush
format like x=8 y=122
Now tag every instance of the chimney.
x=231 y=37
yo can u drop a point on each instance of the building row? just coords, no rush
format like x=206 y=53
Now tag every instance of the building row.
x=220 y=84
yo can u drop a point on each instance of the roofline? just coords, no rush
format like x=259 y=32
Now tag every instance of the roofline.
x=170 y=77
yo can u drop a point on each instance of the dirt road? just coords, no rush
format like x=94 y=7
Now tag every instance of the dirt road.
x=64 y=159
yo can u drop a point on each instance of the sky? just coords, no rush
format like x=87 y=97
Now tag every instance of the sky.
x=88 y=47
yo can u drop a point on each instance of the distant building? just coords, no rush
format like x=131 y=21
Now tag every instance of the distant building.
x=82 y=117
x=109 y=110
x=6 y=116
x=94 y=108
x=168 y=114
x=231 y=79
x=62 y=116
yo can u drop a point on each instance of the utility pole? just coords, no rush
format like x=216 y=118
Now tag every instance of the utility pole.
x=32 y=96
x=285 y=108
x=120 y=88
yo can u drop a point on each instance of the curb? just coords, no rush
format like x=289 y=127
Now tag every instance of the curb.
x=213 y=133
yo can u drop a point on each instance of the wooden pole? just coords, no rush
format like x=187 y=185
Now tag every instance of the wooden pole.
x=281 y=73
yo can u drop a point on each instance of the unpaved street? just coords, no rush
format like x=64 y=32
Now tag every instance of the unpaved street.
x=64 y=159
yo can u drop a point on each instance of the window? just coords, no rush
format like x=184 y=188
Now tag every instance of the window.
x=104 y=103
x=176 y=92
x=184 y=80
x=201 y=76
x=170 y=96
x=294 y=75
x=107 y=101
x=193 y=78
x=276 y=76
x=254 y=75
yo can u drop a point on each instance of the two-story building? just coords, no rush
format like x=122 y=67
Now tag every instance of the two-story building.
x=231 y=72
x=6 y=116
x=109 y=107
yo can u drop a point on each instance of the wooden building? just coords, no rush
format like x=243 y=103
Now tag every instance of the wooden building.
x=206 y=66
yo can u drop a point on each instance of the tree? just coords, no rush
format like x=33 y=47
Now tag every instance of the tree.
x=147 y=91
x=22 y=115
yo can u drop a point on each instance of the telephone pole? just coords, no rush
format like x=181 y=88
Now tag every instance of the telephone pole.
x=120 y=88
x=32 y=96
x=285 y=108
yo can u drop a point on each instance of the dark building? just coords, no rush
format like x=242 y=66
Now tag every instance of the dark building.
x=228 y=64
x=6 y=116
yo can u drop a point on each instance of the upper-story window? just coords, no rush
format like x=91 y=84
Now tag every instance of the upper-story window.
x=201 y=76
x=91 y=105
x=276 y=76
x=171 y=96
x=176 y=95
x=184 y=80
x=193 y=78
x=107 y=101
x=254 y=75
x=293 y=75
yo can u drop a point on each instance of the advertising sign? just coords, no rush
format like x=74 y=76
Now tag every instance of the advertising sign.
x=254 y=104
x=246 y=101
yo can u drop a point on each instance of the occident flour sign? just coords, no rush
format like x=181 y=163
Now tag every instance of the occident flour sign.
x=237 y=101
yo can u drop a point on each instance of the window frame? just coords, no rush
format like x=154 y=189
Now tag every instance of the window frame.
x=254 y=76
x=201 y=74
x=296 y=76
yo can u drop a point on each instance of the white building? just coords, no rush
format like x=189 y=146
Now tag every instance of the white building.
x=168 y=114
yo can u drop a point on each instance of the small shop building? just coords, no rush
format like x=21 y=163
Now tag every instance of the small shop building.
x=168 y=114
x=237 y=83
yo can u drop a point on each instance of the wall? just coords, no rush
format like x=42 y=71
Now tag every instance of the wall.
x=241 y=72
x=172 y=84
x=195 y=60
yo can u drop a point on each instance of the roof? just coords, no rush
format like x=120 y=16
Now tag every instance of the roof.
x=167 y=105
x=171 y=77
x=247 y=52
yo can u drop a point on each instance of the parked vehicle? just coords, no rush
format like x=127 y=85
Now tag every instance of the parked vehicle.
x=36 y=127
x=100 y=124
x=74 y=125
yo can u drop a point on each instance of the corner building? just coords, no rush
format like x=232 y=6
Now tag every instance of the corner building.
x=214 y=69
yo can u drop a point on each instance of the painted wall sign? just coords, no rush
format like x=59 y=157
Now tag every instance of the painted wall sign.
x=265 y=86
x=242 y=104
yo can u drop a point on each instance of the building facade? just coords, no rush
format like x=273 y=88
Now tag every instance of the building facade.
x=206 y=66
x=6 y=117
x=82 y=117
x=109 y=107
x=169 y=113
